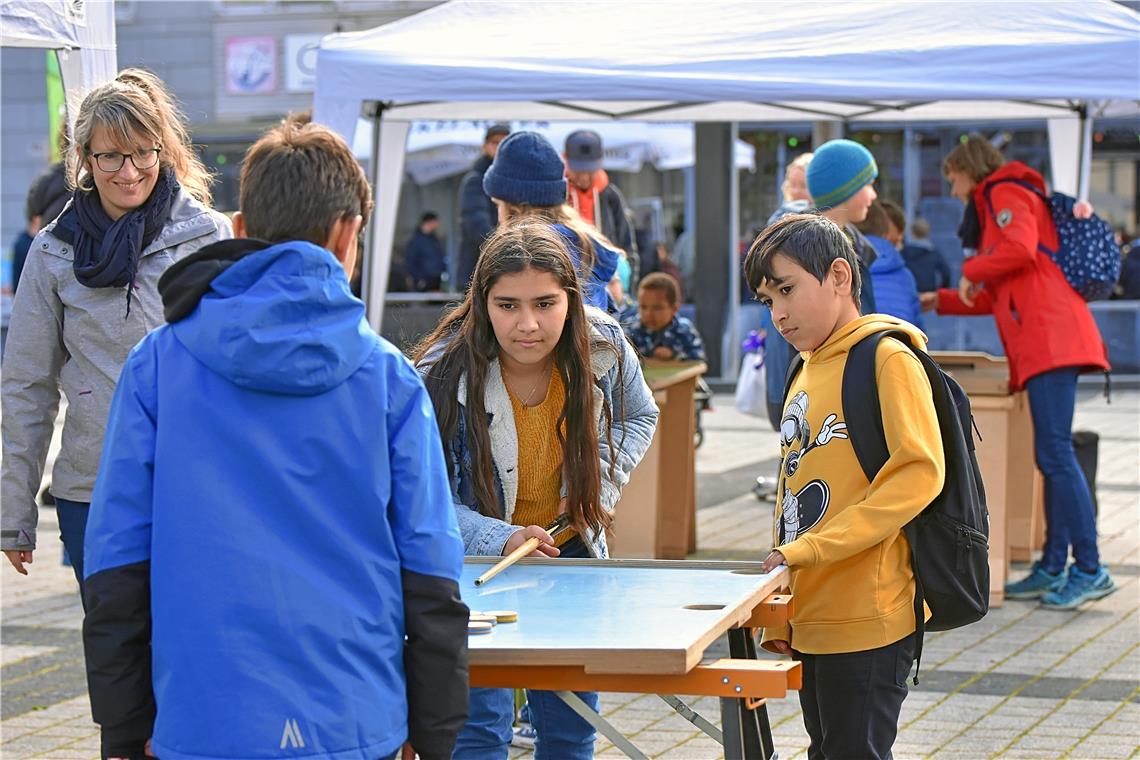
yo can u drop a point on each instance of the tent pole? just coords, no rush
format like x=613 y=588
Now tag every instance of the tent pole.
x=731 y=356
x=1085 y=162
x=389 y=140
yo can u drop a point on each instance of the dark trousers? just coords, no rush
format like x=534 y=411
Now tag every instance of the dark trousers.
x=1069 y=518
x=851 y=701
x=72 y=525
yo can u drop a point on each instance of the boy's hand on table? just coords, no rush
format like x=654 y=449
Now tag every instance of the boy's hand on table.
x=772 y=561
x=928 y=301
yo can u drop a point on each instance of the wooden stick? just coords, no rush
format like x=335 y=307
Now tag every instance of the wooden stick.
x=526 y=548
x=560 y=524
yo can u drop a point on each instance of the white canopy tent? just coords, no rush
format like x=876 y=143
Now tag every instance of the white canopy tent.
x=439 y=149
x=82 y=32
x=726 y=61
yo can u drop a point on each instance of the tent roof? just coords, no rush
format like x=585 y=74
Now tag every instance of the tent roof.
x=734 y=60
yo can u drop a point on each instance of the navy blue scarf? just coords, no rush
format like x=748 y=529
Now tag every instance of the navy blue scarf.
x=107 y=251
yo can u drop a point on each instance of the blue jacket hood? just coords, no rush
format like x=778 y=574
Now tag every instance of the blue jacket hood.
x=280 y=320
x=888 y=259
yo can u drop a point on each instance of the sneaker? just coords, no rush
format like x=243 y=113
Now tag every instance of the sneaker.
x=1080 y=587
x=1036 y=584
x=524 y=736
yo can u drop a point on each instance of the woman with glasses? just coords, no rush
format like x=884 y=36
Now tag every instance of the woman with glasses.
x=89 y=293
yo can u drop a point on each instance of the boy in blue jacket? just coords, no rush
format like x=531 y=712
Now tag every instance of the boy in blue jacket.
x=273 y=559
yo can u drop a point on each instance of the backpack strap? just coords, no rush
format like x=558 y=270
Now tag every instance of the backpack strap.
x=862 y=412
x=790 y=376
x=1031 y=188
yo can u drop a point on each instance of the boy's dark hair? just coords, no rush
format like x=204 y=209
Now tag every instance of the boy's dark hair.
x=810 y=240
x=877 y=222
x=662 y=283
x=895 y=213
x=429 y=216
x=297 y=181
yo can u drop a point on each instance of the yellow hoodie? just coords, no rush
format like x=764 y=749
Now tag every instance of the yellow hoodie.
x=842 y=536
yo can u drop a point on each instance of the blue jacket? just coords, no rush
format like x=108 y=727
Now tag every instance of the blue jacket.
x=895 y=291
x=634 y=421
x=928 y=266
x=594 y=291
x=271 y=518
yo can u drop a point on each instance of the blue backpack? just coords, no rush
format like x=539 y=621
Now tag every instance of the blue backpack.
x=1087 y=252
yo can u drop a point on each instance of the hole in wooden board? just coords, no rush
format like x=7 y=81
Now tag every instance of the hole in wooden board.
x=747 y=571
x=703 y=607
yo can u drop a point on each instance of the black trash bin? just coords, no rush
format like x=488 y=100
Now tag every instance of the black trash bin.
x=1086 y=443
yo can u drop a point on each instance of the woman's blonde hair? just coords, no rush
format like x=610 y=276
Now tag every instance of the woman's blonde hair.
x=977 y=158
x=800 y=163
x=567 y=215
x=137 y=103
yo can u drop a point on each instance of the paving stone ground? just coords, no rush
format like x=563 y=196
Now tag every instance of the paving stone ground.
x=1022 y=683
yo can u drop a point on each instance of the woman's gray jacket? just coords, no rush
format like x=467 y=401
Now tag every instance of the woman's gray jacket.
x=65 y=336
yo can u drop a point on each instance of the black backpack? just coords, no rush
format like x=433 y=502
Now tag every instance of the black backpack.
x=949 y=540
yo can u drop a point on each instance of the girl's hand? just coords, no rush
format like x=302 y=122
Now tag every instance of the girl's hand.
x=928 y=301
x=545 y=549
x=663 y=352
x=1082 y=209
x=772 y=561
x=781 y=646
x=966 y=291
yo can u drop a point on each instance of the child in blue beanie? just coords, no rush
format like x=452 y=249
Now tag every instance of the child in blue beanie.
x=840 y=178
x=528 y=180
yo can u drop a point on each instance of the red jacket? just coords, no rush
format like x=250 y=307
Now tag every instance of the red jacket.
x=1044 y=324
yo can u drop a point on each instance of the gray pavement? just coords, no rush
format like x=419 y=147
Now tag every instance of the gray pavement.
x=1022 y=683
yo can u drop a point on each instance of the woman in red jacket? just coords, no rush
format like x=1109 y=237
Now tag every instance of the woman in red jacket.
x=1049 y=337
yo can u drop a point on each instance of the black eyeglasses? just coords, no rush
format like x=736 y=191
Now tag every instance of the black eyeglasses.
x=113 y=162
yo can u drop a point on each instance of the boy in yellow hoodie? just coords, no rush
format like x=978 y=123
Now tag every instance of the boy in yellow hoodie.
x=842 y=536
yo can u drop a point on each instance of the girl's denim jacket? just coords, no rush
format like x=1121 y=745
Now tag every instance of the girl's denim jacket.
x=634 y=420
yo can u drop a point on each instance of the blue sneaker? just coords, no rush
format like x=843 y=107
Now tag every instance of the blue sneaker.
x=1036 y=584
x=1080 y=587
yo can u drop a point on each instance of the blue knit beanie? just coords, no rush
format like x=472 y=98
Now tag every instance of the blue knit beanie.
x=838 y=170
x=526 y=170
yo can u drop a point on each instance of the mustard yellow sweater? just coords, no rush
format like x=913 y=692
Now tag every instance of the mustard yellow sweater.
x=842 y=536
x=540 y=458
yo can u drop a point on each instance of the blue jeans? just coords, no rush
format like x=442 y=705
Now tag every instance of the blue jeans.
x=72 y=525
x=562 y=733
x=1069 y=517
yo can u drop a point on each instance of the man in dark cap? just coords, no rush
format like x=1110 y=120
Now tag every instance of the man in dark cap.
x=477 y=214
x=599 y=202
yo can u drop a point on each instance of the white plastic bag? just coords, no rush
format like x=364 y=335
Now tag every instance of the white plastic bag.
x=751 y=396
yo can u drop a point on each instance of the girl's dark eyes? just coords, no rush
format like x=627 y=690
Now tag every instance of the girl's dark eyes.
x=786 y=289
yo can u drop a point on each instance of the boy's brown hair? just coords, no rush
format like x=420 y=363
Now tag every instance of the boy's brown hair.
x=662 y=283
x=877 y=221
x=895 y=214
x=297 y=181
x=976 y=158
x=812 y=241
